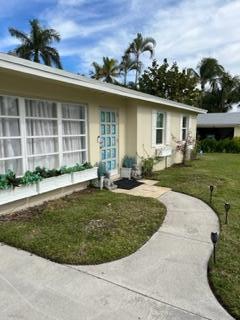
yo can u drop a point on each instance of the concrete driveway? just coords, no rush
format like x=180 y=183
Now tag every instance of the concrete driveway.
x=165 y=279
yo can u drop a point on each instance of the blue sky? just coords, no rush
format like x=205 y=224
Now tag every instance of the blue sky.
x=185 y=30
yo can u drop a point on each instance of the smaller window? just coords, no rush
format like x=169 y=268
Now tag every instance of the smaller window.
x=160 y=123
x=184 y=127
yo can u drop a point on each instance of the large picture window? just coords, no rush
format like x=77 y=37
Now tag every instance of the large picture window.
x=41 y=133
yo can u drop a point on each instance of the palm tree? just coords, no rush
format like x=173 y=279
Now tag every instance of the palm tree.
x=36 y=46
x=107 y=72
x=223 y=94
x=128 y=64
x=209 y=70
x=139 y=46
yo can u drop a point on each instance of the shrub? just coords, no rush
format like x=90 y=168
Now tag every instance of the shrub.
x=3 y=182
x=225 y=145
x=147 y=166
x=9 y=180
x=30 y=177
x=46 y=173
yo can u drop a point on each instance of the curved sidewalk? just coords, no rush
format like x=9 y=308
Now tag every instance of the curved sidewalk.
x=166 y=279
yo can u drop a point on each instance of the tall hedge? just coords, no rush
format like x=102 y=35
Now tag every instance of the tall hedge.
x=225 y=145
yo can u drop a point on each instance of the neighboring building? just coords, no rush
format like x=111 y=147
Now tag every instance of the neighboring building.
x=51 y=118
x=218 y=125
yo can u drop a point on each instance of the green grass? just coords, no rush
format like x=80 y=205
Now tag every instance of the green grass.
x=87 y=227
x=223 y=171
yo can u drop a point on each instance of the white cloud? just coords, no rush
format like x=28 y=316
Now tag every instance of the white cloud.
x=185 y=30
x=195 y=29
x=7 y=42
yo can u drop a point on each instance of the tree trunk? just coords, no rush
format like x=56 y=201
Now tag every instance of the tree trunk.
x=36 y=57
x=125 y=77
x=136 y=76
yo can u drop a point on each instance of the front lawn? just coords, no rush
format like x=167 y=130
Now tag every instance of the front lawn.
x=87 y=227
x=223 y=171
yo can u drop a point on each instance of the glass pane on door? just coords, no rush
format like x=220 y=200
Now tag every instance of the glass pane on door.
x=108 y=133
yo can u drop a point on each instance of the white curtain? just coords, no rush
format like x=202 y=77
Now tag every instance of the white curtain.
x=42 y=109
x=42 y=146
x=73 y=111
x=76 y=128
x=74 y=143
x=49 y=162
x=10 y=127
x=70 y=159
x=39 y=128
x=73 y=127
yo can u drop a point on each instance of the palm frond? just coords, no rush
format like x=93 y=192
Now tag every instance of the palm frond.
x=23 y=37
x=52 y=55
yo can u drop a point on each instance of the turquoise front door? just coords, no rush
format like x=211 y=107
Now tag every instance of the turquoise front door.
x=109 y=139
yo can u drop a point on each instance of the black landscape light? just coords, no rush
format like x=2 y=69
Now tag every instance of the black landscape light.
x=211 y=188
x=214 y=238
x=227 y=207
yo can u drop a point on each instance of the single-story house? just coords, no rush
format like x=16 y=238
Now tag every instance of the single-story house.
x=51 y=118
x=218 y=125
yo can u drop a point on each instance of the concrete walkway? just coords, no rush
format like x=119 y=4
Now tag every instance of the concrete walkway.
x=166 y=279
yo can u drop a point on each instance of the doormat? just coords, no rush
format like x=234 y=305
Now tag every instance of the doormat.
x=127 y=184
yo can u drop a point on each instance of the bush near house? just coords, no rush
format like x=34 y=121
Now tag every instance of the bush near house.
x=225 y=145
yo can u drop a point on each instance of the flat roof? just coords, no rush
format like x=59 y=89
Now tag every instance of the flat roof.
x=213 y=120
x=10 y=62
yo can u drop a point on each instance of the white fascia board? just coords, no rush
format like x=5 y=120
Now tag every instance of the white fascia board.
x=31 y=68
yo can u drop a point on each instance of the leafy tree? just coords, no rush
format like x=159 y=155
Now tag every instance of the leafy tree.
x=36 y=45
x=107 y=72
x=128 y=64
x=139 y=46
x=170 y=82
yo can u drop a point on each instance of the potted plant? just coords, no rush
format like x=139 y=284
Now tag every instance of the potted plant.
x=127 y=165
x=101 y=172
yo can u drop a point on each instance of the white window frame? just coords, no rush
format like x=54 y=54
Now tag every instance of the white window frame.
x=17 y=117
x=85 y=120
x=184 y=128
x=59 y=121
x=155 y=128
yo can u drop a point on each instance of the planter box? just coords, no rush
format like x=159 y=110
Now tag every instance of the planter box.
x=47 y=185
x=85 y=175
x=125 y=173
x=18 y=193
x=165 y=151
x=53 y=183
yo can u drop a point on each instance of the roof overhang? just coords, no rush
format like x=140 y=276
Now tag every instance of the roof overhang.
x=26 y=67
